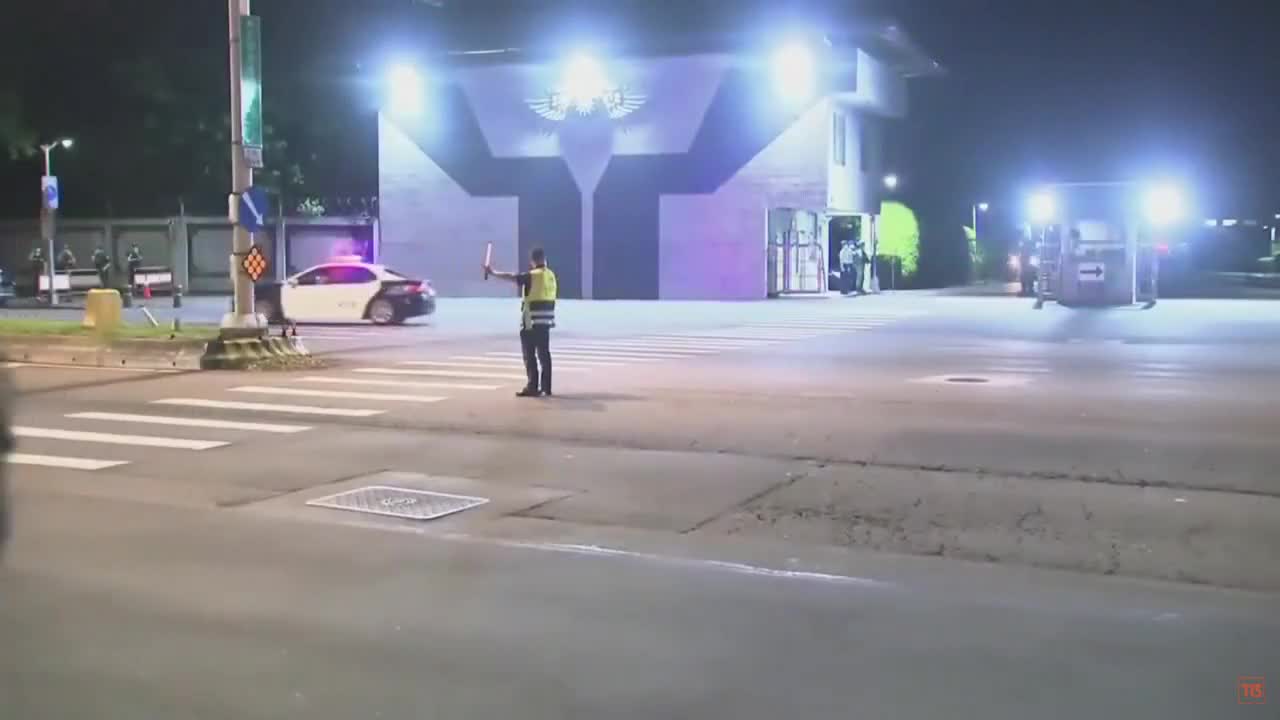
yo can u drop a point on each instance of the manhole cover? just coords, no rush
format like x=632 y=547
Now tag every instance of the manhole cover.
x=967 y=380
x=399 y=502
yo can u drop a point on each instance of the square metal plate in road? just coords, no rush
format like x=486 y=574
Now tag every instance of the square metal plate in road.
x=399 y=502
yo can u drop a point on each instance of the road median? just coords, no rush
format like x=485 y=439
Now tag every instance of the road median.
x=57 y=342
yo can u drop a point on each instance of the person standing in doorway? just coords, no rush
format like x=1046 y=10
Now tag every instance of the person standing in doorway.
x=846 y=268
x=859 y=267
x=66 y=259
x=537 y=317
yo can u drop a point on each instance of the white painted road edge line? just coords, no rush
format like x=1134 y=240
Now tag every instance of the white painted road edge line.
x=342 y=394
x=189 y=422
x=374 y=382
x=267 y=407
x=68 y=463
x=25 y=431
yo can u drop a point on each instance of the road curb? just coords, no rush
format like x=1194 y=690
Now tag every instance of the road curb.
x=241 y=354
x=86 y=351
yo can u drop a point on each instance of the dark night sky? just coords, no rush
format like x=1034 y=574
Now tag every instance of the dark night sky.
x=1036 y=89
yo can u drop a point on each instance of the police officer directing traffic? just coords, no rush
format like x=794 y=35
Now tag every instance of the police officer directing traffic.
x=537 y=317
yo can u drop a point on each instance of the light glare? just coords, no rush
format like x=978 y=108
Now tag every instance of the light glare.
x=1042 y=207
x=1164 y=205
x=891 y=181
x=794 y=72
x=404 y=89
x=585 y=82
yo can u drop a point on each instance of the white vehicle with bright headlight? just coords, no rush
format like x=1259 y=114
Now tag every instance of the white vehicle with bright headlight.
x=345 y=289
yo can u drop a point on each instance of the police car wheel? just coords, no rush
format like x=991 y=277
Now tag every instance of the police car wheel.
x=382 y=312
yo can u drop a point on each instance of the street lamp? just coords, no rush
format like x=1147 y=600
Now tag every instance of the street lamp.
x=64 y=143
x=891 y=181
x=49 y=210
x=980 y=207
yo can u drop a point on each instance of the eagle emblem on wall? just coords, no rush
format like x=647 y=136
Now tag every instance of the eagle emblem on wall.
x=616 y=103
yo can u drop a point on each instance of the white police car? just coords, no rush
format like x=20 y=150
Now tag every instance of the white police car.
x=347 y=289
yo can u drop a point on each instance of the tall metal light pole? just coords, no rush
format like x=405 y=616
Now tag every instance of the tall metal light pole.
x=980 y=207
x=50 y=218
x=242 y=319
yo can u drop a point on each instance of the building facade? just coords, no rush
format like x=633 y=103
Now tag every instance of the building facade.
x=643 y=176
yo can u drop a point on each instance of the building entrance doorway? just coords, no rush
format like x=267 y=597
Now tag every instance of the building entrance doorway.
x=797 y=252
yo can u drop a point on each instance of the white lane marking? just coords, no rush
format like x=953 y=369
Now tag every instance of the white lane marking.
x=190 y=422
x=645 y=347
x=516 y=362
x=737 y=335
x=1161 y=375
x=267 y=407
x=816 y=326
x=618 y=357
x=692 y=342
x=712 y=341
x=89 y=368
x=440 y=373
x=26 y=431
x=637 y=351
x=373 y=382
x=1015 y=369
x=491 y=365
x=57 y=461
x=342 y=394
x=1164 y=366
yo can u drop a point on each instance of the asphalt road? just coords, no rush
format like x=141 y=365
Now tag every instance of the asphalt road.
x=729 y=510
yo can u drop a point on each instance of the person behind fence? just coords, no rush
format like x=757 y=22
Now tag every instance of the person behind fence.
x=537 y=317
x=134 y=261
x=101 y=263
x=66 y=259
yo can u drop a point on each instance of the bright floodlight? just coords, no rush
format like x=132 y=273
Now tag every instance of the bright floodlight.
x=1042 y=207
x=891 y=181
x=794 y=72
x=584 y=82
x=983 y=207
x=1164 y=205
x=67 y=142
x=405 y=92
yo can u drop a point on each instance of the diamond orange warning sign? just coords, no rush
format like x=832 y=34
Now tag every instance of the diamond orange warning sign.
x=254 y=264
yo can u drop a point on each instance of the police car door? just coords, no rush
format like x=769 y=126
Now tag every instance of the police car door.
x=353 y=286
x=308 y=296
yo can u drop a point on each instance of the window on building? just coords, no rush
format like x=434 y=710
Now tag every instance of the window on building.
x=864 y=145
x=839 y=139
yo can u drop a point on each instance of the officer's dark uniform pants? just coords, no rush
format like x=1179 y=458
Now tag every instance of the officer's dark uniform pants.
x=846 y=276
x=536 y=344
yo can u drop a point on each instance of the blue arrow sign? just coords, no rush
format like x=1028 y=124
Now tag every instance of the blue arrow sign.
x=254 y=209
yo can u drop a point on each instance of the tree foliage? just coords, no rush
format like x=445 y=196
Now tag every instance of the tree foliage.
x=899 y=236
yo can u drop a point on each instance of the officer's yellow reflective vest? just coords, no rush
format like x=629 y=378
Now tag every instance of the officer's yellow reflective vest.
x=539 y=303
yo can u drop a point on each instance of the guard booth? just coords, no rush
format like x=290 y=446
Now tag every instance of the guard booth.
x=1096 y=245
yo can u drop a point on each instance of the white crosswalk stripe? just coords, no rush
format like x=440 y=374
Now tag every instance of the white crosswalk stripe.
x=189 y=422
x=268 y=407
x=517 y=362
x=439 y=373
x=338 y=394
x=493 y=364
x=637 y=351
x=25 y=431
x=374 y=382
x=65 y=463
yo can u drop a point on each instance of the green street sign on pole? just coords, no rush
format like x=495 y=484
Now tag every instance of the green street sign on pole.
x=251 y=89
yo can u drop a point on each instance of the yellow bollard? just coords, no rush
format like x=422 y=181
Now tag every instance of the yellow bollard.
x=102 y=310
